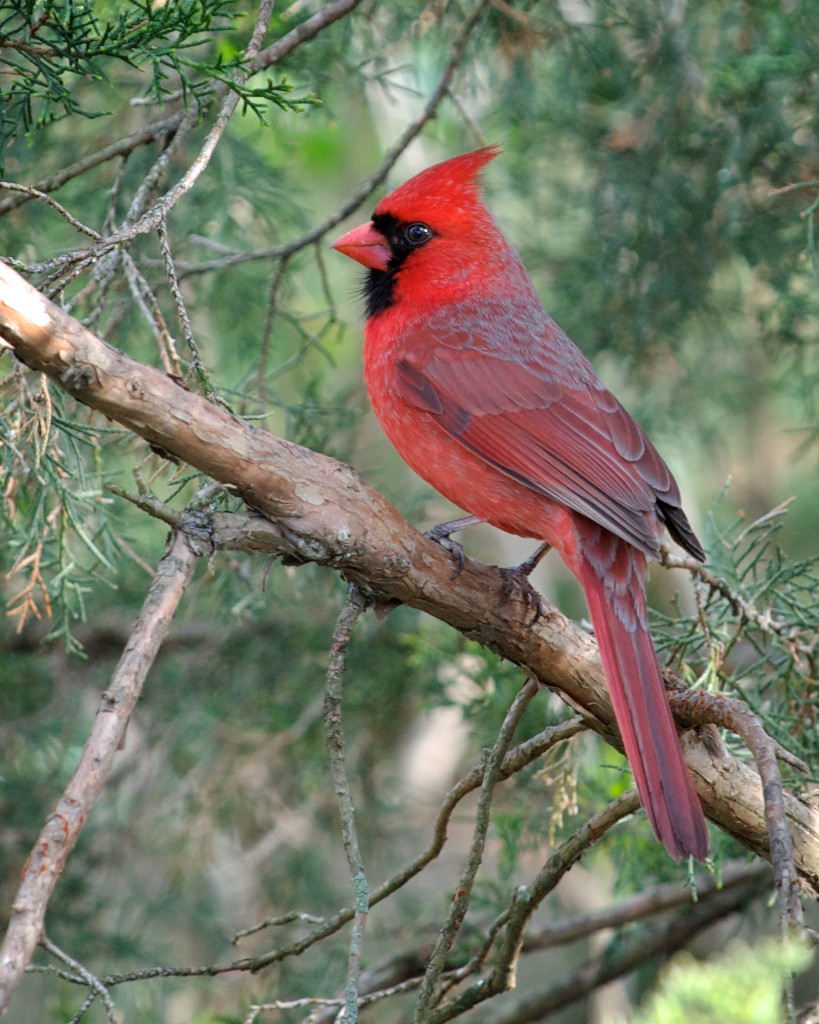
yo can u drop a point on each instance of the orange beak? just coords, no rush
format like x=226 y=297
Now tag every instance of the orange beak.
x=365 y=245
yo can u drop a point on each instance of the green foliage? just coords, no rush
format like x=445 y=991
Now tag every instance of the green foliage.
x=754 y=632
x=53 y=46
x=743 y=986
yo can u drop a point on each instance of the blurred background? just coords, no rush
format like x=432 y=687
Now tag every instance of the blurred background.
x=659 y=179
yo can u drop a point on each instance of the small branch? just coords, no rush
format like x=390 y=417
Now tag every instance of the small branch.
x=736 y=716
x=95 y=985
x=276 y=922
x=35 y=193
x=148 y=304
x=349 y=615
x=526 y=900
x=615 y=963
x=568 y=853
x=197 y=365
x=48 y=857
x=742 y=609
x=792 y=187
x=459 y=903
x=150 y=133
x=308 y=29
x=645 y=904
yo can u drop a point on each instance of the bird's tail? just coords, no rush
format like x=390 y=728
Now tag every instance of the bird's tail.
x=612 y=574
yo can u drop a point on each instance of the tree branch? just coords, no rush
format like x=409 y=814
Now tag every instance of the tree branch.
x=613 y=964
x=460 y=900
x=60 y=834
x=334 y=734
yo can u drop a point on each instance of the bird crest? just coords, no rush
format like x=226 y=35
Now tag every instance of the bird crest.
x=455 y=182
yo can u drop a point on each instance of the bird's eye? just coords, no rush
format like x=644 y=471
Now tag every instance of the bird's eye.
x=417 y=234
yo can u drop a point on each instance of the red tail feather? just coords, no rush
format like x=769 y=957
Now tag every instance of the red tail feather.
x=612 y=572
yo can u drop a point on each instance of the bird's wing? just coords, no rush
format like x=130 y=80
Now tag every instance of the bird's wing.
x=563 y=435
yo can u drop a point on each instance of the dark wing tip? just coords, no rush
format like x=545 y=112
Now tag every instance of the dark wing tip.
x=676 y=522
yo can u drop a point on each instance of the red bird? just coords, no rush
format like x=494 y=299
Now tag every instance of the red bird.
x=486 y=398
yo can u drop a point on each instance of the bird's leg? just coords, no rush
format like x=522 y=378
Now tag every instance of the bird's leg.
x=533 y=561
x=517 y=578
x=442 y=534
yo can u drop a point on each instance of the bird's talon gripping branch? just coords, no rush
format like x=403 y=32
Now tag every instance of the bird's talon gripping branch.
x=516 y=580
x=442 y=534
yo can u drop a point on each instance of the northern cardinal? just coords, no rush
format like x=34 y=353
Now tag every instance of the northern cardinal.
x=486 y=398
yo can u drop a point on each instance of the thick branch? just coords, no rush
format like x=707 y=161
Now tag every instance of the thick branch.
x=323 y=512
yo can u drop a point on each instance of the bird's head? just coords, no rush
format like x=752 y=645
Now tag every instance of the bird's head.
x=426 y=227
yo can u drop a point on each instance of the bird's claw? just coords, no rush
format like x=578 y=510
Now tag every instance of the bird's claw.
x=454 y=548
x=516 y=580
x=442 y=534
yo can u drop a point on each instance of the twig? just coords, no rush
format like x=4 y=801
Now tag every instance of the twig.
x=700 y=708
x=792 y=187
x=308 y=29
x=48 y=857
x=196 y=363
x=35 y=193
x=460 y=901
x=645 y=904
x=526 y=900
x=93 y=982
x=742 y=609
x=142 y=137
x=147 y=302
x=275 y=922
x=334 y=735
x=628 y=955
x=267 y=331
x=287 y=1004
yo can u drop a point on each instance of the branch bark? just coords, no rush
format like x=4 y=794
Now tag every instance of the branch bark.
x=320 y=510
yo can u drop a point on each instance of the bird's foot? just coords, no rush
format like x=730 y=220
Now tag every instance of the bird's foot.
x=516 y=578
x=517 y=582
x=442 y=534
